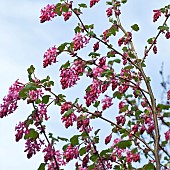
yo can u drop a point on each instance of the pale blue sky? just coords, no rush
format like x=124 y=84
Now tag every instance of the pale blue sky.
x=23 y=40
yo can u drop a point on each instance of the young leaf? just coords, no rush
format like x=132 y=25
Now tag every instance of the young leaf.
x=135 y=27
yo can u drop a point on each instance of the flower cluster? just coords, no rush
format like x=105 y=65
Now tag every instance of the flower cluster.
x=50 y=56
x=35 y=94
x=167 y=135
x=21 y=129
x=47 y=13
x=126 y=39
x=80 y=41
x=107 y=102
x=157 y=14
x=70 y=153
x=68 y=120
x=93 y=2
x=69 y=76
x=33 y=146
x=10 y=101
x=67 y=15
x=49 y=156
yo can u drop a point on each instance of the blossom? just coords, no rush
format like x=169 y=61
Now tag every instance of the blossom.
x=33 y=146
x=93 y=92
x=107 y=102
x=109 y=12
x=96 y=46
x=47 y=13
x=35 y=94
x=69 y=76
x=50 y=56
x=10 y=101
x=157 y=14
x=67 y=15
x=70 y=153
x=168 y=95
x=108 y=139
x=93 y=2
x=167 y=35
x=80 y=41
x=167 y=135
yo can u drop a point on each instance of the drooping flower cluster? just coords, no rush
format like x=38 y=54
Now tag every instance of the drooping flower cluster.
x=167 y=135
x=67 y=15
x=157 y=14
x=93 y=92
x=93 y=2
x=80 y=41
x=107 y=102
x=50 y=56
x=118 y=152
x=47 y=13
x=35 y=94
x=10 y=101
x=68 y=119
x=49 y=156
x=126 y=39
x=33 y=146
x=69 y=76
x=70 y=153
x=21 y=129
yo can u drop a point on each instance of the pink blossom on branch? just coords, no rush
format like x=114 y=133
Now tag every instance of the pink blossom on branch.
x=47 y=13
x=50 y=56
x=93 y=2
x=10 y=101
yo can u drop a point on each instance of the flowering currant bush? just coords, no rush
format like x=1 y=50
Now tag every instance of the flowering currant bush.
x=135 y=139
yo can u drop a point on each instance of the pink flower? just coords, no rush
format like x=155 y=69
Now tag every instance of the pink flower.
x=71 y=153
x=35 y=94
x=168 y=95
x=108 y=139
x=80 y=41
x=67 y=15
x=10 y=101
x=107 y=102
x=96 y=46
x=50 y=56
x=109 y=12
x=120 y=120
x=21 y=129
x=93 y=93
x=157 y=14
x=32 y=146
x=47 y=13
x=155 y=50
x=69 y=76
x=93 y=2
x=167 y=135
x=167 y=35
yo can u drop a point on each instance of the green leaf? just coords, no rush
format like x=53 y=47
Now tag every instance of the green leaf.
x=124 y=144
x=162 y=28
x=149 y=166
x=42 y=166
x=117 y=60
x=31 y=69
x=45 y=99
x=66 y=65
x=82 y=5
x=124 y=1
x=135 y=27
x=166 y=114
x=69 y=112
x=97 y=131
x=32 y=134
x=62 y=47
x=23 y=94
x=82 y=151
x=65 y=146
x=96 y=104
x=94 y=158
x=74 y=140
x=91 y=167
